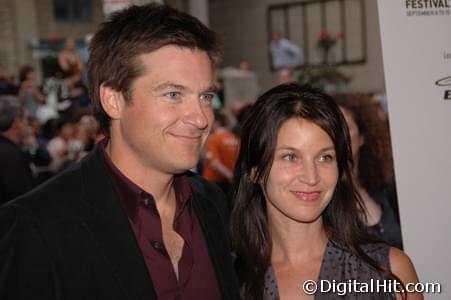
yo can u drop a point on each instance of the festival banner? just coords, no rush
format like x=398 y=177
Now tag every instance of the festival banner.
x=416 y=47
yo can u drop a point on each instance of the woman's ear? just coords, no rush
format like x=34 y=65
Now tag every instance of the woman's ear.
x=112 y=101
x=253 y=176
x=253 y=179
x=361 y=140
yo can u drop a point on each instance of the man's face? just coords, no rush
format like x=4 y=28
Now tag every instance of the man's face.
x=169 y=115
x=23 y=126
x=276 y=36
x=69 y=44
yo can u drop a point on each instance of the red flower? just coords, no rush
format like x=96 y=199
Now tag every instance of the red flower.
x=323 y=35
x=54 y=38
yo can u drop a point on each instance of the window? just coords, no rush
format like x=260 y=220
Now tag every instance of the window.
x=303 y=22
x=73 y=10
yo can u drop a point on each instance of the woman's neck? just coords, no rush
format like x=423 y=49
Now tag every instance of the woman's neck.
x=295 y=241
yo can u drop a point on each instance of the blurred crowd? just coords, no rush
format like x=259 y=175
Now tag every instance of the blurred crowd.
x=44 y=127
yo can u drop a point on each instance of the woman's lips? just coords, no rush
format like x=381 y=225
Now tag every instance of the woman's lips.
x=307 y=196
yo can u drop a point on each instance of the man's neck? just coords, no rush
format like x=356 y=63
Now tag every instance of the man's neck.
x=158 y=184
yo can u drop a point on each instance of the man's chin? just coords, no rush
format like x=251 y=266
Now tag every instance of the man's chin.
x=183 y=168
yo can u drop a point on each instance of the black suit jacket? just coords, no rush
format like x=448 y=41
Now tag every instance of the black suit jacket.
x=71 y=239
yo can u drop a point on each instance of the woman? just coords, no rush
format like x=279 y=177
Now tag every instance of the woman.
x=297 y=215
x=71 y=63
x=373 y=165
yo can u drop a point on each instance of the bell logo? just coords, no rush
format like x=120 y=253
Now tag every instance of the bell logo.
x=446 y=81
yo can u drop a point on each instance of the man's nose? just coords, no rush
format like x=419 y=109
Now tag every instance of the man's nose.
x=196 y=114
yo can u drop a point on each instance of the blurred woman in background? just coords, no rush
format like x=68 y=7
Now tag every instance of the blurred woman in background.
x=373 y=165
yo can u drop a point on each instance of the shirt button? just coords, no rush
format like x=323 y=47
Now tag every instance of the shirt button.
x=157 y=245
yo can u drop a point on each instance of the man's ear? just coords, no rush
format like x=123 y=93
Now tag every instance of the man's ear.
x=112 y=101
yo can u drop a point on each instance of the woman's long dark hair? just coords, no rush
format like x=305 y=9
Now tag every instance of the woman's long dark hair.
x=249 y=224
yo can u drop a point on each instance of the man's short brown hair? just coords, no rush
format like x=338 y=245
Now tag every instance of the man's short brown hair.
x=117 y=45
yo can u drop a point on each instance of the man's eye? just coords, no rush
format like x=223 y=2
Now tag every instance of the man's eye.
x=172 y=95
x=207 y=97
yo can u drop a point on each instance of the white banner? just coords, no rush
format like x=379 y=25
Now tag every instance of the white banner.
x=416 y=47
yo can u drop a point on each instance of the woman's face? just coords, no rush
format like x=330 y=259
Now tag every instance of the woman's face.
x=357 y=139
x=304 y=172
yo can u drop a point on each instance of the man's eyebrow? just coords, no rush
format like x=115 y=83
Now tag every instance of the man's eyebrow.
x=179 y=87
x=211 y=89
x=170 y=85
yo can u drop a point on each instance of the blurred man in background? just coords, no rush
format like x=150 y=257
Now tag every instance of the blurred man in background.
x=15 y=173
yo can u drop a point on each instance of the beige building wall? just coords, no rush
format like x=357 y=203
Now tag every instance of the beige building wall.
x=243 y=26
x=8 y=41
x=26 y=29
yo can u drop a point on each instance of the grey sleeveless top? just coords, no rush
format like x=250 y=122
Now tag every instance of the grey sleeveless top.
x=340 y=266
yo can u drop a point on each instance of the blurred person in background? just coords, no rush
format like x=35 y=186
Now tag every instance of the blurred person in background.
x=71 y=63
x=64 y=148
x=373 y=165
x=244 y=65
x=85 y=132
x=29 y=91
x=284 y=53
x=284 y=76
x=72 y=92
x=15 y=174
x=84 y=54
x=221 y=152
x=7 y=86
x=36 y=144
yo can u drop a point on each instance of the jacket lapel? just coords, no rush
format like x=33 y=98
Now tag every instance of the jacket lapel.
x=213 y=227
x=110 y=227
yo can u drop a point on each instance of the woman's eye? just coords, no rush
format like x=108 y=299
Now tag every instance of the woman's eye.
x=326 y=158
x=289 y=157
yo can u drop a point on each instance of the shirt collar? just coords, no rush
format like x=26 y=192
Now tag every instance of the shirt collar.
x=131 y=195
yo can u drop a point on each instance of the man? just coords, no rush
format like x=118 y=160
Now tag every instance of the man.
x=15 y=173
x=7 y=86
x=129 y=222
x=285 y=54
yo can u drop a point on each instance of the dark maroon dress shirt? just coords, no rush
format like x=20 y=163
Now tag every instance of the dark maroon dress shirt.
x=197 y=278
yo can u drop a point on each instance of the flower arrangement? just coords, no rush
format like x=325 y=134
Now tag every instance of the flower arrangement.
x=325 y=76
x=326 y=42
